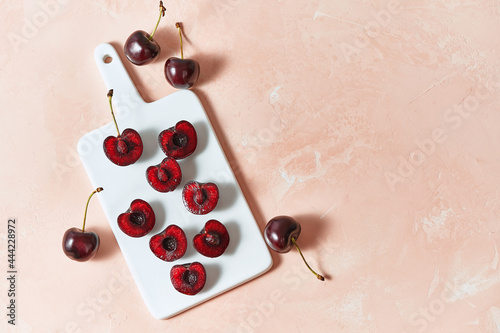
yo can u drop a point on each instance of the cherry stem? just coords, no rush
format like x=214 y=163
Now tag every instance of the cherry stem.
x=99 y=189
x=110 y=96
x=178 y=26
x=162 y=13
x=319 y=276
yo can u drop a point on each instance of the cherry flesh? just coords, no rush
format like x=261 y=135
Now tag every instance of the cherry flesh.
x=138 y=220
x=200 y=198
x=127 y=147
x=212 y=240
x=188 y=279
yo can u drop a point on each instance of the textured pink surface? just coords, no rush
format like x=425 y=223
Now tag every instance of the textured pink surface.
x=375 y=124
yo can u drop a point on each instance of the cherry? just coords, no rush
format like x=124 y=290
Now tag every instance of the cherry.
x=138 y=220
x=281 y=234
x=188 y=279
x=181 y=73
x=140 y=47
x=124 y=149
x=166 y=176
x=200 y=198
x=78 y=244
x=170 y=244
x=212 y=240
x=179 y=141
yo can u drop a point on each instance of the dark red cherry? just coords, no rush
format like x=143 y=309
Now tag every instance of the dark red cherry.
x=78 y=244
x=188 y=279
x=140 y=47
x=281 y=234
x=179 y=141
x=124 y=149
x=181 y=73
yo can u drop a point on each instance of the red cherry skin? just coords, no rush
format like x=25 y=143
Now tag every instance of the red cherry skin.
x=182 y=73
x=80 y=246
x=279 y=232
x=139 y=50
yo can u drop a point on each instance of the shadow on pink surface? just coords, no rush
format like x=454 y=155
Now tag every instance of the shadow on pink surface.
x=313 y=233
x=108 y=247
x=168 y=39
x=211 y=65
x=252 y=202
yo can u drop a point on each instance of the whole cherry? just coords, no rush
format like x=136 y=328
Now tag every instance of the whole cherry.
x=127 y=147
x=78 y=244
x=140 y=47
x=181 y=73
x=281 y=234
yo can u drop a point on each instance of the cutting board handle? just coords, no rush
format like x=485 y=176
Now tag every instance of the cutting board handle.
x=115 y=75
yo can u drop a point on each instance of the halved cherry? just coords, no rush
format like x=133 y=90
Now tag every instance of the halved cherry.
x=200 y=198
x=212 y=240
x=138 y=220
x=125 y=148
x=166 y=176
x=179 y=141
x=170 y=244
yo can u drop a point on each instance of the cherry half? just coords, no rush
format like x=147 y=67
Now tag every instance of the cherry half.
x=166 y=176
x=179 y=141
x=138 y=220
x=200 y=198
x=212 y=240
x=188 y=279
x=170 y=244
x=181 y=73
x=78 y=244
x=140 y=47
x=124 y=149
x=281 y=234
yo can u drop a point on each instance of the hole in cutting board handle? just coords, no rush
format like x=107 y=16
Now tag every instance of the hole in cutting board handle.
x=107 y=59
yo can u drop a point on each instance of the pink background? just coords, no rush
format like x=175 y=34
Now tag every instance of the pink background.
x=376 y=124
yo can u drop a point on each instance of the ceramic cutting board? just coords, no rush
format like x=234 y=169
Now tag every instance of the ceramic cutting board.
x=247 y=255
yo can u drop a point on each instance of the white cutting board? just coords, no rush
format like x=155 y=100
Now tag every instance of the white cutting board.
x=247 y=255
